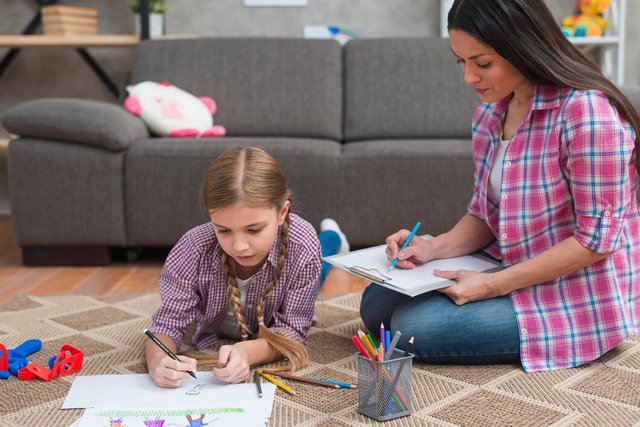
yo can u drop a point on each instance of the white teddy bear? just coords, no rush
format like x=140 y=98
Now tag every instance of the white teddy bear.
x=170 y=111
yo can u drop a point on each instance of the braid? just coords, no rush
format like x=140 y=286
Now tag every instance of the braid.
x=296 y=352
x=234 y=293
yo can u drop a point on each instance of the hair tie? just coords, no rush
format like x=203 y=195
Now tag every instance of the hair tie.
x=261 y=324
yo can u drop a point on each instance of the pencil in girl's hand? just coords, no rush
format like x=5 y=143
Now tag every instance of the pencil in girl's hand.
x=164 y=348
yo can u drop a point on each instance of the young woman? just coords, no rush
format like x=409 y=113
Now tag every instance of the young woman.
x=251 y=274
x=556 y=199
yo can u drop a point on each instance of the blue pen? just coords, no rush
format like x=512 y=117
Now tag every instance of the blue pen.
x=405 y=244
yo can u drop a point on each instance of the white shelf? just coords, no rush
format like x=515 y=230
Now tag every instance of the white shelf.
x=586 y=41
x=612 y=44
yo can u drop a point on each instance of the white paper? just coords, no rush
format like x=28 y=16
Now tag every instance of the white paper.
x=220 y=413
x=90 y=391
x=410 y=282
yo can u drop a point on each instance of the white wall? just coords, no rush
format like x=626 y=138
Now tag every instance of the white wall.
x=38 y=73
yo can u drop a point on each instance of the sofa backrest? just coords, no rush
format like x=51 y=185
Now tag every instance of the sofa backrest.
x=263 y=87
x=405 y=88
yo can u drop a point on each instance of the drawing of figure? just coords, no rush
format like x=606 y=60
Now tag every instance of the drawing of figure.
x=196 y=389
x=154 y=423
x=199 y=422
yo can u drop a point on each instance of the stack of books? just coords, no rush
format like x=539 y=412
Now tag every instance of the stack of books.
x=69 y=20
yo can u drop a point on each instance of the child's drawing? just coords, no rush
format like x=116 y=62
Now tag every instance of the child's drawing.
x=196 y=389
x=199 y=422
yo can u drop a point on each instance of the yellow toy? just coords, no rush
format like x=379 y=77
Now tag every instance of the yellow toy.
x=588 y=20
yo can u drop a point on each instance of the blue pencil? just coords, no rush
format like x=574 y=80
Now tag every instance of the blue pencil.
x=338 y=383
x=405 y=244
x=387 y=341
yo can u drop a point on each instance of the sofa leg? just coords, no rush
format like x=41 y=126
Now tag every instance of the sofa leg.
x=65 y=255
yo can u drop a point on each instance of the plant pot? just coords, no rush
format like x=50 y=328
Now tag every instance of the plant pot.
x=156 y=24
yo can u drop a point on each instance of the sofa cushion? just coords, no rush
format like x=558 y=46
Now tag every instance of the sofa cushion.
x=405 y=88
x=386 y=185
x=164 y=176
x=65 y=194
x=263 y=87
x=81 y=121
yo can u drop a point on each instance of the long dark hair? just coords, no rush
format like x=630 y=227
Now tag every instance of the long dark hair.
x=525 y=33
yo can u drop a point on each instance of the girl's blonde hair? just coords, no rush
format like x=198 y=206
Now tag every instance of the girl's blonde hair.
x=253 y=177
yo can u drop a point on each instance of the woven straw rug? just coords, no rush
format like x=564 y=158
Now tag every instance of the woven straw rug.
x=108 y=330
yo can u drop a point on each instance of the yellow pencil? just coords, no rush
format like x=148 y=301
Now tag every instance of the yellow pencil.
x=276 y=382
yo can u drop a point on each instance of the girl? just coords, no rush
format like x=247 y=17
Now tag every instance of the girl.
x=555 y=146
x=252 y=274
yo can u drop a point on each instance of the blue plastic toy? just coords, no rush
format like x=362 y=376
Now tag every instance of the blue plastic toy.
x=17 y=357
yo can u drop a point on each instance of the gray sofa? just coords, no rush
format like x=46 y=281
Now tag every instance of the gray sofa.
x=375 y=134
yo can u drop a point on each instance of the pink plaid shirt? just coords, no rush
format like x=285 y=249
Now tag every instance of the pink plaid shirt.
x=192 y=287
x=568 y=171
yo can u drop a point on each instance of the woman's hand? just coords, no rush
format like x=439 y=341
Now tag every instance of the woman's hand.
x=469 y=286
x=233 y=364
x=169 y=373
x=418 y=252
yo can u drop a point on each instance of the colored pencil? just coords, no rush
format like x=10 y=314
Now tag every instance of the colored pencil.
x=256 y=379
x=276 y=382
x=301 y=379
x=405 y=244
x=389 y=353
x=338 y=383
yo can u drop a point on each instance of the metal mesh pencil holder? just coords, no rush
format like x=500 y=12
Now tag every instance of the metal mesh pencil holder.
x=385 y=388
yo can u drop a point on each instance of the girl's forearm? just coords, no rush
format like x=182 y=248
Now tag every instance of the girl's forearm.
x=259 y=351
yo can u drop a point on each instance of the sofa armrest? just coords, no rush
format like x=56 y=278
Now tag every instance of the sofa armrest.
x=82 y=121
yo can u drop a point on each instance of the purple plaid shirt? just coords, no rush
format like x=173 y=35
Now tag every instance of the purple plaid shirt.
x=192 y=287
x=569 y=171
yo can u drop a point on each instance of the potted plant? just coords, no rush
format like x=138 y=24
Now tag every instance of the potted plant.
x=157 y=9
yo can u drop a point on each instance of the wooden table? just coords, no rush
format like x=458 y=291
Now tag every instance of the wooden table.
x=78 y=42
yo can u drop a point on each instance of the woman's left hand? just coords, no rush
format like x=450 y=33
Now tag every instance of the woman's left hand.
x=469 y=286
x=233 y=366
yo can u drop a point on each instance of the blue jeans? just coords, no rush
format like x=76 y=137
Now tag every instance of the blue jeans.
x=481 y=332
x=329 y=245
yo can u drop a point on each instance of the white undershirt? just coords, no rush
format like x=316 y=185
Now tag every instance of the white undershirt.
x=228 y=326
x=495 y=177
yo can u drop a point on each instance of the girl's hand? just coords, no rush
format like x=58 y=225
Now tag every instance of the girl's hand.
x=169 y=373
x=233 y=364
x=469 y=286
x=418 y=252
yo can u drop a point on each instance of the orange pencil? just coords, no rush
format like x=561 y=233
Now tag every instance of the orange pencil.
x=369 y=347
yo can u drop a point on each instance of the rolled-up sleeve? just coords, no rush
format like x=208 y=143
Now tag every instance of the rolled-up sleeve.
x=295 y=316
x=177 y=291
x=599 y=154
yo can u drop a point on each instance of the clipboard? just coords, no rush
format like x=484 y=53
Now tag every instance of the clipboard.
x=372 y=264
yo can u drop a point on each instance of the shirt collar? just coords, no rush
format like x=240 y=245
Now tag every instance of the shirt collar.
x=544 y=98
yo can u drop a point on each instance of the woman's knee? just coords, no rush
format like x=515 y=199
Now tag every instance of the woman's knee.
x=378 y=304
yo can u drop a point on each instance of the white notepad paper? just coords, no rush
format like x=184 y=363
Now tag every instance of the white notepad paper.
x=372 y=264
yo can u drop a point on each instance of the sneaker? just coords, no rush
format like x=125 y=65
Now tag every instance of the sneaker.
x=331 y=224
